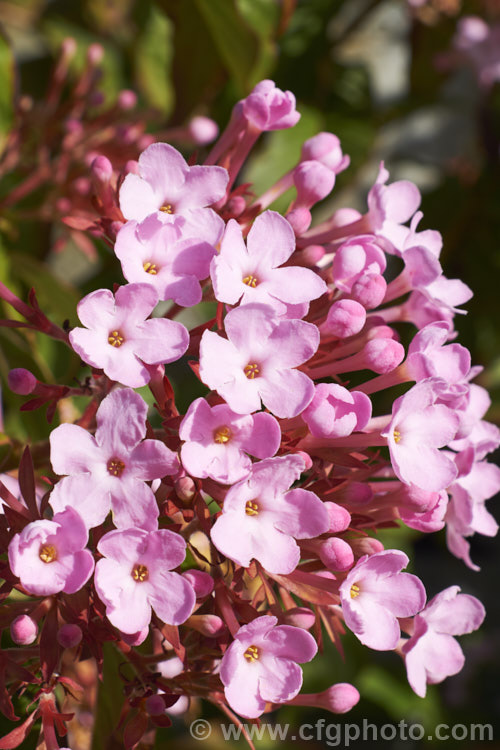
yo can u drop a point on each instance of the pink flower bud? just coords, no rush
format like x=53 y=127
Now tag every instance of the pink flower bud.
x=339 y=698
x=135 y=639
x=307 y=459
x=21 y=381
x=325 y=147
x=300 y=219
x=340 y=518
x=82 y=186
x=23 y=630
x=313 y=182
x=355 y=493
x=68 y=48
x=310 y=255
x=144 y=141
x=73 y=126
x=95 y=53
x=185 y=489
x=336 y=554
x=203 y=130
x=102 y=170
x=300 y=617
x=345 y=318
x=69 y=635
x=155 y=705
x=127 y=99
x=202 y=582
x=366 y=545
x=383 y=355
x=369 y=290
x=209 y=625
x=235 y=206
x=132 y=167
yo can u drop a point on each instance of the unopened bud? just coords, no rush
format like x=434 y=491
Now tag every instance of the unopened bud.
x=345 y=318
x=21 y=381
x=336 y=554
x=369 y=290
x=127 y=99
x=300 y=219
x=202 y=582
x=300 y=617
x=23 y=630
x=313 y=182
x=203 y=130
x=155 y=705
x=69 y=635
x=95 y=53
x=383 y=355
x=340 y=518
x=185 y=489
x=135 y=639
x=102 y=169
x=366 y=545
x=209 y=625
x=339 y=698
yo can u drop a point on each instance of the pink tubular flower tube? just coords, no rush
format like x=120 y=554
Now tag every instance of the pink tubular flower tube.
x=118 y=338
x=260 y=666
x=432 y=653
x=218 y=441
x=336 y=412
x=375 y=593
x=262 y=517
x=135 y=576
x=109 y=471
x=50 y=556
x=257 y=360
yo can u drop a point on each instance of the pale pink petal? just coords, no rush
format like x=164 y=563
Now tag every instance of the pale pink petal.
x=151 y=459
x=73 y=450
x=137 y=198
x=271 y=239
x=134 y=505
x=286 y=392
x=173 y=598
x=121 y=421
x=281 y=679
x=160 y=341
x=203 y=186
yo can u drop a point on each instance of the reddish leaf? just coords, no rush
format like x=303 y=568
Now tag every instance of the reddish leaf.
x=27 y=482
x=13 y=502
x=49 y=646
x=19 y=734
x=134 y=730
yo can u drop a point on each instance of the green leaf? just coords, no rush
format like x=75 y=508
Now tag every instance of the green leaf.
x=109 y=702
x=153 y=52
x=6 y=90
x=236 y=43
x=56 y=297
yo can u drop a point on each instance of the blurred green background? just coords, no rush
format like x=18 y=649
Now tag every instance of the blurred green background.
x=362 y=69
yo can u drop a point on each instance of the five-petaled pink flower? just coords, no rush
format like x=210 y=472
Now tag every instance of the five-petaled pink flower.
x=260 y=666
x=136 y=576
x=432 y=653
x=256 y=361
x=375 y=593
x=419 y=427
x=262 y=516
x=167 y=185
x=218 y=441
x=110 y=471
x=118 y=338
x=173 y=258
x=50 y=556
x=251 y=273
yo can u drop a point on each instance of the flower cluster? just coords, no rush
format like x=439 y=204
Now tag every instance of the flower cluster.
x=225 y=537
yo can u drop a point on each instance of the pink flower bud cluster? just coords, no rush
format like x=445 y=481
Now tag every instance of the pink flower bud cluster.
x=222 y=537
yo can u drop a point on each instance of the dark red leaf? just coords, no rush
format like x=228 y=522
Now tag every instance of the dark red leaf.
x=49 y=647
x=27 y=482
x=19 y=734
x=135 y=730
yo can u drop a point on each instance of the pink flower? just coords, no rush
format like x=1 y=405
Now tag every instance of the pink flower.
x=256 y=361
x=375 y=593
x=336 y=412
x=218 y=440
x=135 y=576
x=173 y=258
x=166 y=183
x=419 y=427
x=269 y=108
x=260 y=666
x=429 y=355
x=391 y=206
x=432 y=653
x=110 y=470
x=251 y=273
x=467 y=513
x=50 y=556
x=119 y=339
x=262 y=517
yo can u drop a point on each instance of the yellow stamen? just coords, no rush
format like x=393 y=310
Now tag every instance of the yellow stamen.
x=252 y=370
x=252 y=508
x=250 y=281
x=140 y=573
x=115 y=467
x=355 y=591
x=167 y=208
x=115 y=338
x=151 y=268
x=48 y=553
x=251 y=654
x=222 y=435
x=397 y=436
